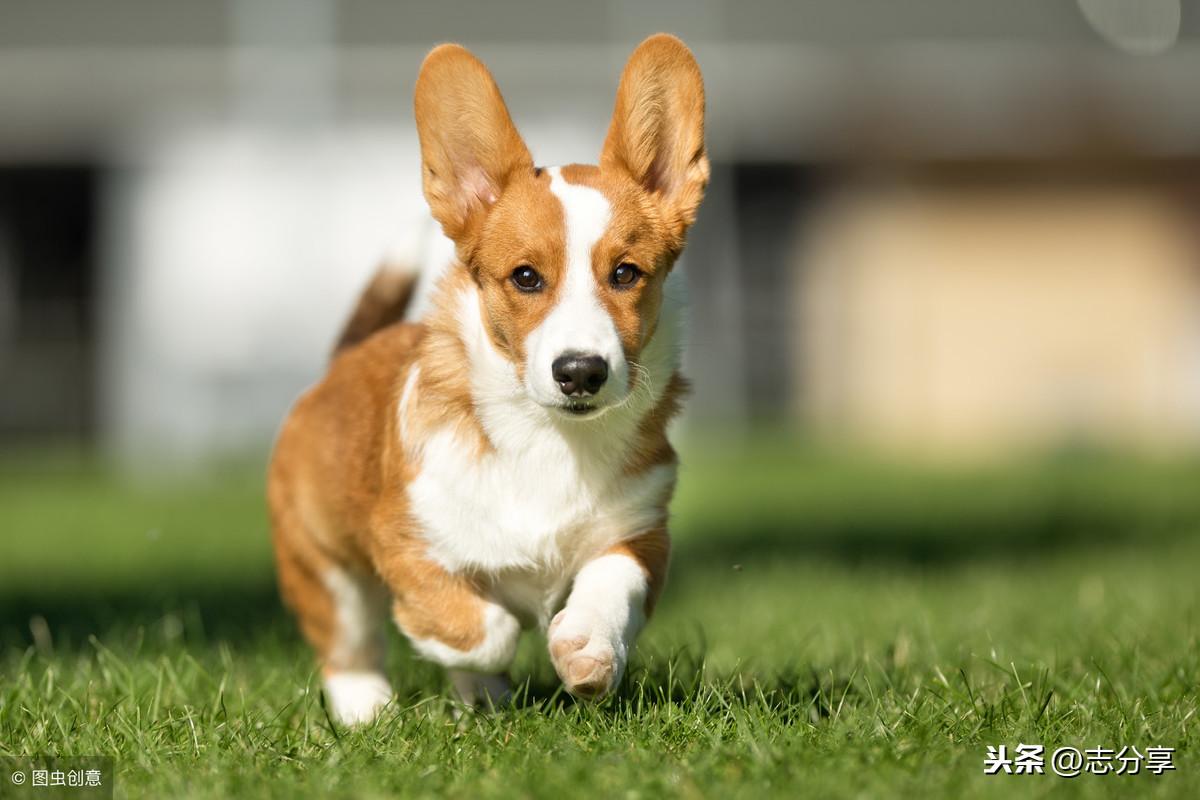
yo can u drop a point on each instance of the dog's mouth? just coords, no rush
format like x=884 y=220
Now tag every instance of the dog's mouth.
x=579 y=408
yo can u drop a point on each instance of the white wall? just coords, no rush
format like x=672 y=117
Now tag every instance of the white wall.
x=233 y=256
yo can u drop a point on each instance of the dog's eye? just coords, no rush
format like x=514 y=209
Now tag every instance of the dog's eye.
x=625 y=275
x=526 y=278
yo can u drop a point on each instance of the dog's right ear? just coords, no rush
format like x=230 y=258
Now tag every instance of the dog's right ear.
x=657 y=129
x=470 y=148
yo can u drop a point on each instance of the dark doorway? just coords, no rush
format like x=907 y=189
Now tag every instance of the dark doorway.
x=772 y=201
x=47 y=303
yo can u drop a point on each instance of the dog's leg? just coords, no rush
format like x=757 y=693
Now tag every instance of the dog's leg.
x=449 y=620
x=354 y=679
x=472 y=637
x=611 y=597
x=341 y=613
x=480 y=688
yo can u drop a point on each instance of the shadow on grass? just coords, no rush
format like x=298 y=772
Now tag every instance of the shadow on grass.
x=197 y=613
x=201 y=610
x=923 y=540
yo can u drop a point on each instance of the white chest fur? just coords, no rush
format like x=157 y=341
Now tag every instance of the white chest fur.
x=551 y=493
x=530 y=516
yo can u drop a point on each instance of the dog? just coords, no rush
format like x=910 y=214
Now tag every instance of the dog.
x=503 y=462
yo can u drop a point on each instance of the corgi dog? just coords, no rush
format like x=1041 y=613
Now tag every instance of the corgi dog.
x=502 y=462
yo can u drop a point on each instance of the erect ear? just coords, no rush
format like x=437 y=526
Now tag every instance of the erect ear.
x=470 y=148
x=657 y=130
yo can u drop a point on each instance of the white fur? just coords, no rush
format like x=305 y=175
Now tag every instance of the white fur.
x=552 y=492
x=493 y=654
x=354 y=682
x=606 y=608
x=356 y=697
x=360 y=604
x=532 y=514
x=579 y=323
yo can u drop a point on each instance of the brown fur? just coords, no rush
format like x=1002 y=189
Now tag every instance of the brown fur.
x=524 y=227
x=470 y=149
x=657 y=131
x=381 y=303
x=336 y=485
x=443 y=392
x=336 y=496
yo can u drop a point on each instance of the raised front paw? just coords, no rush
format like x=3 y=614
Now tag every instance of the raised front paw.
x=588 y=659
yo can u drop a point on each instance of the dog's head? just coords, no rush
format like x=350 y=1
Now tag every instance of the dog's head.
x=569 y=261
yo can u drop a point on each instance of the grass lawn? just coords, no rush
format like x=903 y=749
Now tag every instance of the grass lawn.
x=832 y=628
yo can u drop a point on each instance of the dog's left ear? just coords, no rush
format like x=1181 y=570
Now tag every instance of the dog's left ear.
x=657 y=130
x=470 y=148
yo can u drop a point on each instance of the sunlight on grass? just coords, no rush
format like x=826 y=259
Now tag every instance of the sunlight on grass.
x=832 y=627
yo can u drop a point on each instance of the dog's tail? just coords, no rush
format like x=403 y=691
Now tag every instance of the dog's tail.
x=383 y=302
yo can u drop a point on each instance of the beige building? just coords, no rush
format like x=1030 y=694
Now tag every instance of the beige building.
x=964 y=314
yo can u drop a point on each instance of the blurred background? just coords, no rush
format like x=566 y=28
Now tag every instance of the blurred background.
x=945 y=341
x=938 y=229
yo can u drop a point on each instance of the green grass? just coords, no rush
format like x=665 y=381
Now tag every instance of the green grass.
x=833 y=628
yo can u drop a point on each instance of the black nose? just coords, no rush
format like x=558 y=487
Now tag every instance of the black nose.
x=579 y=375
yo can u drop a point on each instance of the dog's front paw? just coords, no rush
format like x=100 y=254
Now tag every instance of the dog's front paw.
x=356 y=697
x=588 y=659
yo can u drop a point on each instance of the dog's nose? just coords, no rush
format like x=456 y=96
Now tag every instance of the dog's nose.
x=578 y=374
